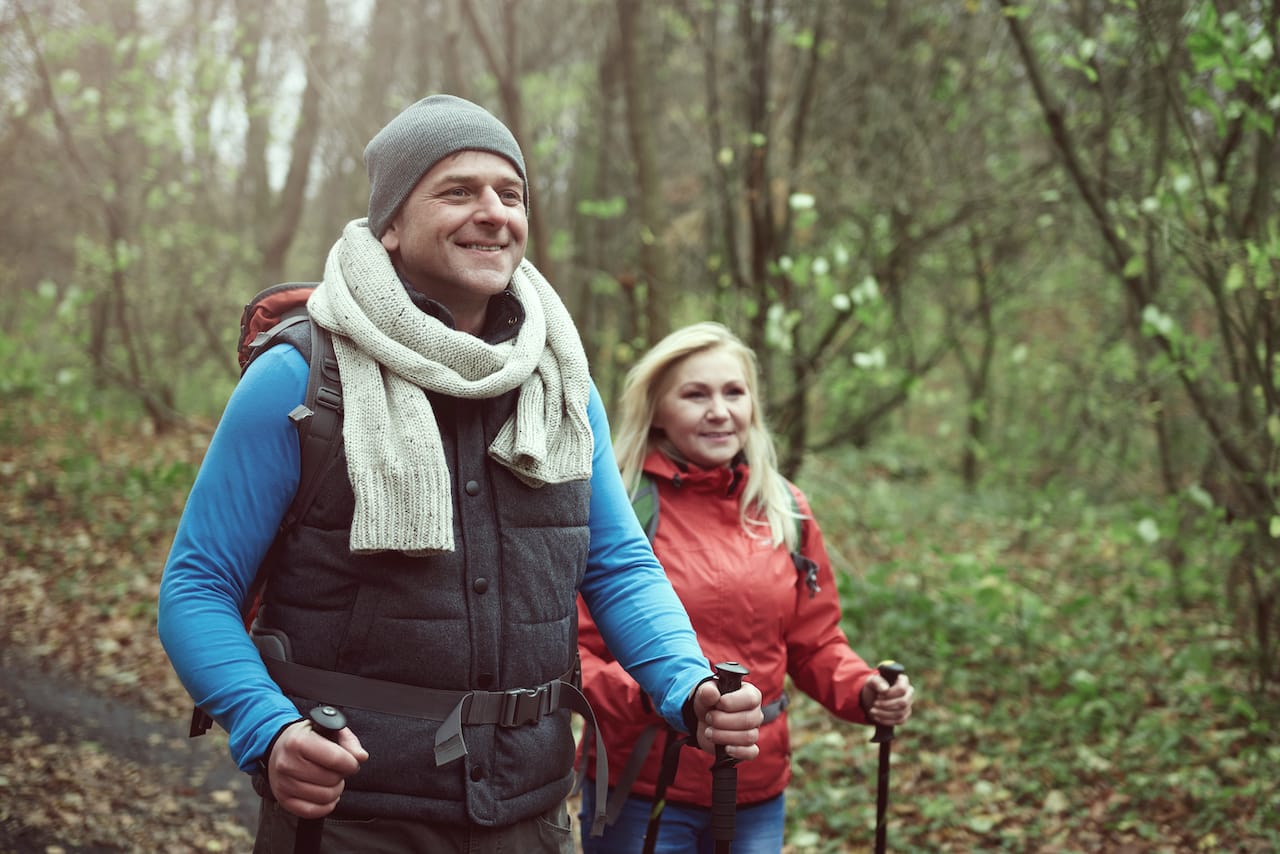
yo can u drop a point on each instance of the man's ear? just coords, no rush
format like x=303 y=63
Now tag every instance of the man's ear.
x=391 y=237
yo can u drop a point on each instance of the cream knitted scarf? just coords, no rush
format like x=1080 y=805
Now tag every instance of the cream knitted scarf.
x=389 y=351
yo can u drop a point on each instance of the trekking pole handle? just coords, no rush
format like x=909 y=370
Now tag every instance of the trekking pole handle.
x=890 y=670
x=724 y=774
x=728 y=679
x=328 y=722
x=729 y=676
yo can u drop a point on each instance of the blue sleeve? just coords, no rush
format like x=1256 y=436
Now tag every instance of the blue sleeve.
x=244 y=486
x=625 y=588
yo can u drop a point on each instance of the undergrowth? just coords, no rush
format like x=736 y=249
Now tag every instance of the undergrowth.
x=1076 y=691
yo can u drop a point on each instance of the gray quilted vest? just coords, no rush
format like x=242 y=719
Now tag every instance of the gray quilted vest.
x=497 y=615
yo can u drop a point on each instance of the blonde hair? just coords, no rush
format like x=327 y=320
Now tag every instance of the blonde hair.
x=766 y=501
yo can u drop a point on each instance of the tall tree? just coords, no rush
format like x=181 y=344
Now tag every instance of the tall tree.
x=1179 y=188
x=637 y=70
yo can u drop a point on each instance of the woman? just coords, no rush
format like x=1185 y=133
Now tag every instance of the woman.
x=727 y=527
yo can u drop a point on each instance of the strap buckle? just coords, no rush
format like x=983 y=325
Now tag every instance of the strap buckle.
x=326 y=396
x=522 y=706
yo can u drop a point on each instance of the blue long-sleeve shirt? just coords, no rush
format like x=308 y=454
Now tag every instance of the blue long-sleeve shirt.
x=245 y=484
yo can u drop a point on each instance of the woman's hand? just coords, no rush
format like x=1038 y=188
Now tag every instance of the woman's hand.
x=888 y=705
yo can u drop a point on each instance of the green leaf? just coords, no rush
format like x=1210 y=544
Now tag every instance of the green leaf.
x=1135 y=266
x=1235 y=278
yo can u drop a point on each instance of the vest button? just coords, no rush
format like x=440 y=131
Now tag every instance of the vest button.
x=480 y=585
x=472 y=488
x=477 y=773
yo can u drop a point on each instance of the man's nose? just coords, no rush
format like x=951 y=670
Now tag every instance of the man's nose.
x=491 y=207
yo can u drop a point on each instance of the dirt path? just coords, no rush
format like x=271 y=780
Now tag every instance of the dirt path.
x=86 y=773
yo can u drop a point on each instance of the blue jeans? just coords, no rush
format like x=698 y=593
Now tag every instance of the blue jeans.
x=683 y=829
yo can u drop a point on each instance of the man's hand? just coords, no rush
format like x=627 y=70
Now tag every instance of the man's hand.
x=732 y=719
x=888 y=705
x=307 y=771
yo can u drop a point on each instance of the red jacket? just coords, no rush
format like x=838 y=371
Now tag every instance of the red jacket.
x=748 y=604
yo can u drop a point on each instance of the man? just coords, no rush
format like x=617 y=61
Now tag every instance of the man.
x=432 y=584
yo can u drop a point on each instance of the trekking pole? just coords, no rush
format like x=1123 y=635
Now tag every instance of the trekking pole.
x=327 y=721
x=667 y=773
x=724 y=772
x=890 y=670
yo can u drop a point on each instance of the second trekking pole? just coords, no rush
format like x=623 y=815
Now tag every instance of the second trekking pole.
x=890 y=670
x=724 y=772
x=328 y=721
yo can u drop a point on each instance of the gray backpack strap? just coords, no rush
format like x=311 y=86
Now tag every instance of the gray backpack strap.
x=318 y=419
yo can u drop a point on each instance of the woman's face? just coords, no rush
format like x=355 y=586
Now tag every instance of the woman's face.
x=706 y=408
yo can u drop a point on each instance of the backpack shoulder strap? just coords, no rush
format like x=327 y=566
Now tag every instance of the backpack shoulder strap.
x=644 y=501
x=318 y=419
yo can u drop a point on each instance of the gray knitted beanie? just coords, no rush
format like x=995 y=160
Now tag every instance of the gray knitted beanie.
x=419 y=138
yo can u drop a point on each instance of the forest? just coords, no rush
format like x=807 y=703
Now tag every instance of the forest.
x=1012 y=270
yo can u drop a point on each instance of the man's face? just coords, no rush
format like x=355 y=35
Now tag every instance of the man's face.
x=461 y=233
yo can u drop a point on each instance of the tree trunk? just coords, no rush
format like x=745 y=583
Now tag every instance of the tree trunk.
x=279 y=233
x=641 y=121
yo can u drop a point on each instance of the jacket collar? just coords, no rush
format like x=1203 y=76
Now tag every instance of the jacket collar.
x=726 y=481
x=502 y=320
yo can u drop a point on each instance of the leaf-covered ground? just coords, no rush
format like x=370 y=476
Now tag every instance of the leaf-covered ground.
x=94 y=755
x=1063 y=705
